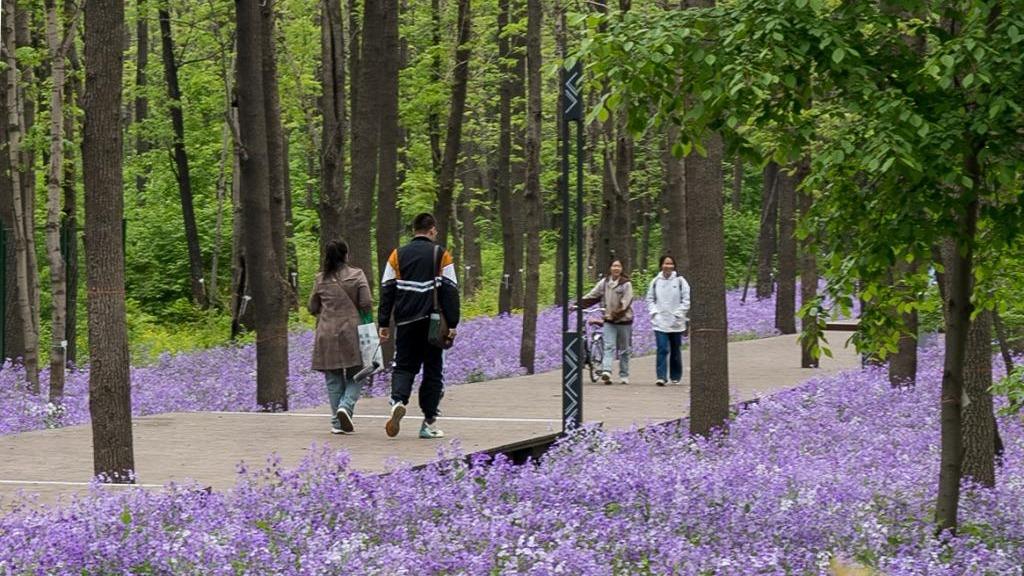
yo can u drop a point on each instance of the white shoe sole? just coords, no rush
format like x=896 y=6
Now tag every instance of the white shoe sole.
x=345 y=420
x=394 y=423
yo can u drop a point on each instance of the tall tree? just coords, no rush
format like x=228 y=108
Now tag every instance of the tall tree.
x=276 y=160
x=261 y=270
x=58 y=41
x=444 y=209
x=903 y=364
x=72 y=101
x=102 y=149
x=510 y=291
x=141 y=82
x=767 y=234
x=181 y=163
x=709 y=360
x=532 y=196
x=785 y=300
x=332 y=111
x=737 y=183
x=390 y=133
x=366 y=137
x=23 y=227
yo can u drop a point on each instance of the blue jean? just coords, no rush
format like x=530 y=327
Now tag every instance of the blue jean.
x=343 y=391
x=617 y=336
x=669 y=352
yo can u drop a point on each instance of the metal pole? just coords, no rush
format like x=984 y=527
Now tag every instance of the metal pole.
x=572 y=382
x=578 y=70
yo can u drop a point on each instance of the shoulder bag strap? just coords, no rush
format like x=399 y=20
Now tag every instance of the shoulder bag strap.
x=437 y=272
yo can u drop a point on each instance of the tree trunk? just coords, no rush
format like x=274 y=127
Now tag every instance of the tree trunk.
x=261 y=271
x=332 y=110
x=141 y=101
x=387 y=185
x=808 y=292
x=622 y=222
x=102 y=149
x=979 y=423
x=11 y=337
x=903 y=364
x=445 y=207
x=366 y=138
x=181 y=165
x=511 y=238
x=1004 y=346
x=767 y=237
x=471 y=256
x=72 y=93
x=785 y=303
x=709 y=366
x=27 y=39
x=958 y=314
x=434 y=117
x=22 y=225
x=276 y=165
x=54 y=186
x=532 y=196
x=737 y=183
x=673 y=218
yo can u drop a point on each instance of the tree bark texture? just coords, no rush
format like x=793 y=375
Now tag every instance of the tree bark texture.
x=979 y=423
x=276 y=165
x=737 y=183
x=261 y=271
x=445 y=208
x=332 y=110
x=958 y=308
x=141 y=81
x=181 y=165
x=532 y=195
x=102 y=149
x=767 y=236
x=54 y=186
x=22 y=225
x=510 y=292
x=387 y=184
x=709 y=360
x=366 y=138
x=785 y=302
x=674 y=222
x=903 y=364
x=26 y=38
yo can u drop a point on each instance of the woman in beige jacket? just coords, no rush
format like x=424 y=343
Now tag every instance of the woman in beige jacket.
x=340 y=296
x=615 y=294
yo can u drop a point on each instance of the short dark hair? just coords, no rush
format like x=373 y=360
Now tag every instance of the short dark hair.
x=423 y=222
x=661 y=262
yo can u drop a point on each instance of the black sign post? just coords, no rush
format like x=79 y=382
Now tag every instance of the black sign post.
x=572 y=341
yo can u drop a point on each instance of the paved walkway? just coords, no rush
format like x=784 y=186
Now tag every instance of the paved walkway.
x=207 y=446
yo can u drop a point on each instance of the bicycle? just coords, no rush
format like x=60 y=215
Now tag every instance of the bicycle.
x=593 y=344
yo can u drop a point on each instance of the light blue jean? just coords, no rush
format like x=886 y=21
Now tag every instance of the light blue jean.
x=617 y=336
x=343 y=391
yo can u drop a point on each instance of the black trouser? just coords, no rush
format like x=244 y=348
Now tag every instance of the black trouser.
x=412 y=351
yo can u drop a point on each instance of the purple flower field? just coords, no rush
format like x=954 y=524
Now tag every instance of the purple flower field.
x=225 y=378
x=840 y=467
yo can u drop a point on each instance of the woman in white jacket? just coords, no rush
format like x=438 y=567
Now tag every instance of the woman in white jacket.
x=668 y=303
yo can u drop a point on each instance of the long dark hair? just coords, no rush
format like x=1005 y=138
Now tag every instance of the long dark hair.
x=661 y=262
x=335 y=256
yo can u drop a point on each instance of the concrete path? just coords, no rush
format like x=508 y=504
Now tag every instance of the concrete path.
x=207 y=446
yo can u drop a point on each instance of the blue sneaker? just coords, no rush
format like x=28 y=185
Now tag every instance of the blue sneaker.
x=430 y=431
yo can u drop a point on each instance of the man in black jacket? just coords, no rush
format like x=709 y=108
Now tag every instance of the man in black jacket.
x=411 y=275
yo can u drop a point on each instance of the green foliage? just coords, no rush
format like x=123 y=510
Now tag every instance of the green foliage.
x=1012 y=387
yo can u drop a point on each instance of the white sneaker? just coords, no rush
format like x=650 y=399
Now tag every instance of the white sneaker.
x=393 y=424
x=606 y=377
x=659 y=382
x=430 y=431
x=336 y=430
x=345 y=419
x=676 y=382
x=624 y=380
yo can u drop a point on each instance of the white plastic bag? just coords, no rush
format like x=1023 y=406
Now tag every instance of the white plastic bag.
x=369 y=345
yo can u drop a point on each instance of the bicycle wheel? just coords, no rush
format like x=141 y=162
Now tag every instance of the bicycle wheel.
x=596 y=357
x=589 y=361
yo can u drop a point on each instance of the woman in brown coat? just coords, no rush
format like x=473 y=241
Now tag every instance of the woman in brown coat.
x=341 y=294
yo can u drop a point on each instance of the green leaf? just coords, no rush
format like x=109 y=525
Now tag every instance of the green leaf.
x=838 y=54
x=948 y=61
x=968 y=80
